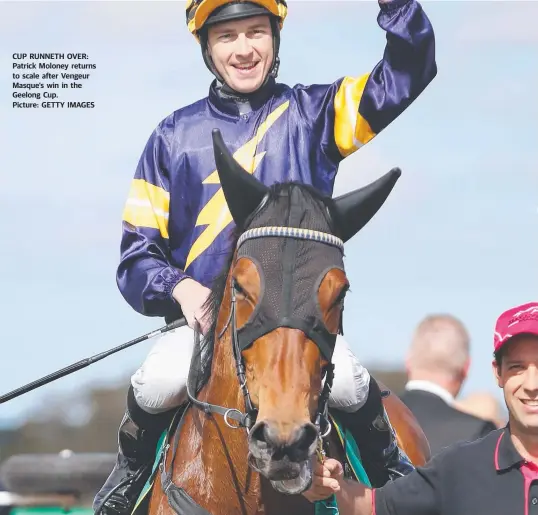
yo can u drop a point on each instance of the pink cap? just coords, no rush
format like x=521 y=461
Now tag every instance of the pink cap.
x=521 y=319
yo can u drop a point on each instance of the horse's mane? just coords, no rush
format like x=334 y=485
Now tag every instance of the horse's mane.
x=214 y=300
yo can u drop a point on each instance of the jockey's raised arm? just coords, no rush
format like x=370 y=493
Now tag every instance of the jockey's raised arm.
x=355 y=109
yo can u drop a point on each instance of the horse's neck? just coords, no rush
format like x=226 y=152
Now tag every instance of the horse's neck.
x=215 y=455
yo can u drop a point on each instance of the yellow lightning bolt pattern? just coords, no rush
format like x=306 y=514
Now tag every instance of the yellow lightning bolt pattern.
x=215 y=214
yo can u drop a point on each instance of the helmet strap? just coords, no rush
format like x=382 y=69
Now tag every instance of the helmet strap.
x=273 y=72
x=207 y=58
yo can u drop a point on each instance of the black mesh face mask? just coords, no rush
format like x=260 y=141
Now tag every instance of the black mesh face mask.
x=293 y=248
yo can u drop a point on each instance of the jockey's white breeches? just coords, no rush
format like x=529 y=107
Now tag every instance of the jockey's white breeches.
x=160 y=383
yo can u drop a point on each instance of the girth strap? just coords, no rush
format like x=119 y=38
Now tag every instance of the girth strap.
x=178 y=499
x=182 y=503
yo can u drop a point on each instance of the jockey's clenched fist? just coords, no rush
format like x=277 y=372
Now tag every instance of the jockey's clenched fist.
x=191 y=296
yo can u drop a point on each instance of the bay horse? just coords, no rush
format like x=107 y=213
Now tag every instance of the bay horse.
x=260 y=380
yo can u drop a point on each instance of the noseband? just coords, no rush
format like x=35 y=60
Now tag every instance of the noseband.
x=247 y=420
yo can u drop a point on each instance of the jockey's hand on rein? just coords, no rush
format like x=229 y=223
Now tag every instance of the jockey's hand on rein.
x=191 y=296
x=326 y=480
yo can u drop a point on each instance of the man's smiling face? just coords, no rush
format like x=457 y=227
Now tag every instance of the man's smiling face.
x=517 y=375
x=242 y=51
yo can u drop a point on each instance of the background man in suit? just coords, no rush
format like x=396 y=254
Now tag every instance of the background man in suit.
x=437 y=365
x=484 y=405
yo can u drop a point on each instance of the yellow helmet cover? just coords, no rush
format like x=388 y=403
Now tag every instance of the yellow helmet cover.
x=198 y=11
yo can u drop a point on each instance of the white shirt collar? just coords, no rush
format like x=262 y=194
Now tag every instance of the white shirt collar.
x=428 y=386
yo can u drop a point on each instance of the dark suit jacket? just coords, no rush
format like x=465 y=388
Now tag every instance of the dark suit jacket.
x=442 y=424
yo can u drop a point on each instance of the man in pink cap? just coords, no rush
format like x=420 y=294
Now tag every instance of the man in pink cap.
x=497 y=474
x=515 y=365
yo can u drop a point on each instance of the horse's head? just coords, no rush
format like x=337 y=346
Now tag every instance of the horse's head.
x=283 y=305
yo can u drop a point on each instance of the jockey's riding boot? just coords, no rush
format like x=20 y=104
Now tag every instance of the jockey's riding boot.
x=138 y=436
x=383 y=460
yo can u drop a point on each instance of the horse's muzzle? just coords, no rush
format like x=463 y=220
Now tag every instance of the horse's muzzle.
x=285 y=460
x=286 y=477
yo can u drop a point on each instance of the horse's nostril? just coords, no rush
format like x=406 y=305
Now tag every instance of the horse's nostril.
x=304 y=437
x=261 y=433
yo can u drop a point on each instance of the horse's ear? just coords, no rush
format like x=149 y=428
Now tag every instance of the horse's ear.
x=243 y=192
x=356 y=208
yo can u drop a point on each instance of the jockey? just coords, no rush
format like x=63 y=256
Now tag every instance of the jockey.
x=177 y=227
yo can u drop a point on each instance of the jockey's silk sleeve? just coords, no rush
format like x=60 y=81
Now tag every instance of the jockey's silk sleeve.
x=353 y=110
x=418 y=493
x=145 y=276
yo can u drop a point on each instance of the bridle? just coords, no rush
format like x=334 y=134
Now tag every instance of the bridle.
x=248 y=419
x=178 y=497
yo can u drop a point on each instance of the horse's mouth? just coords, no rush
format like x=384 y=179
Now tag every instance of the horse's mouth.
x=297 y=485
x=286 y=476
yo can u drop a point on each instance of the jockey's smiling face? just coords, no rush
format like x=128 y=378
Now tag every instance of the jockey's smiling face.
x=242 y=51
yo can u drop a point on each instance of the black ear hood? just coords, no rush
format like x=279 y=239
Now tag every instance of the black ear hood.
x=356 y=208
x=242 y=191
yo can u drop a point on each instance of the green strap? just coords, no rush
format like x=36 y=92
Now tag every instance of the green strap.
x=329 y=506
x=149 y=483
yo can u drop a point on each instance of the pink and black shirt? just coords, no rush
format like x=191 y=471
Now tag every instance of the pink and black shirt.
x=486 y=476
